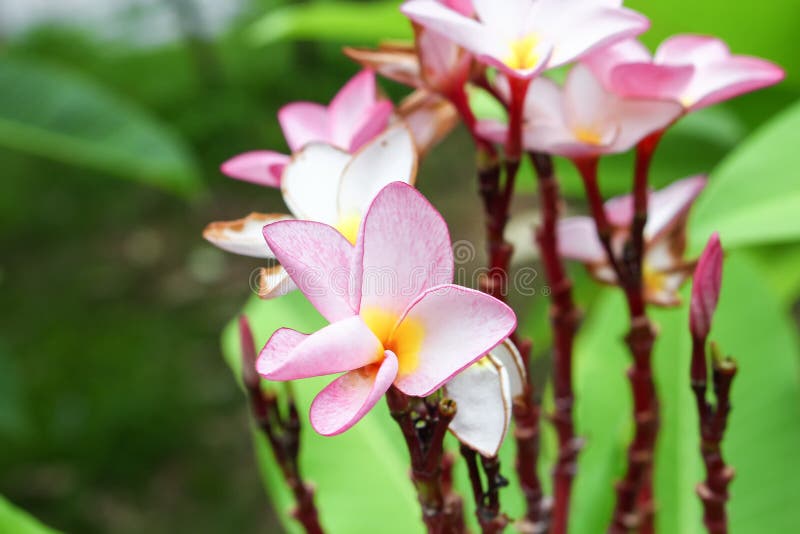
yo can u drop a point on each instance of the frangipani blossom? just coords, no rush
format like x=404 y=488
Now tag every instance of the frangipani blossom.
x=484 y=393
x=325 y=184
x=694 y=70
x=399 y=321
x=664 y=269
x=583 y=119
x=524 y=37
x=354 y=116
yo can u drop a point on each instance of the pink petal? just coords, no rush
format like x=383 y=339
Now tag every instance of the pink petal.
x=341 y=346
x=588 y=105
x=464 y=7
x=492 y=130
x=706 y=288
x=483 y=405
x=639 y=118
x=404 y=247
x=303 y=123
x=723 y=81
x=464 y=31
x=243 y=236
x=578 y=28
x=311 y=181
x=544 y=103
x=691 y=49
x=444 y=65
x=318 y=259
x=261 y=167
x=577 y=240
x=429 y=117
x=510 y=15
x=604 y=60
x=651 y=81
x=348 y=398
x=445 y=330
x=375 y=120
x=353 y=109
x=671 y=203
x=390 y=157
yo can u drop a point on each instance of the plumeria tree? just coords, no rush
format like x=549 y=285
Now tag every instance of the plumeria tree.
x=375 y=258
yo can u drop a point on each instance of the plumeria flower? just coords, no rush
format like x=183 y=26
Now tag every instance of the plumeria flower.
x=354 y=116
x=694 y=70
x=399 y=322
x=326 y=184
x=584 y=119
x=484 y=393
x=524 y=37
x=663 y=266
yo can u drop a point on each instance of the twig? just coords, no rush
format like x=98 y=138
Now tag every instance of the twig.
x=487 y=502
x=282 y=433
x=424 y=425
x=565 y=318
x=634 y=507
x=713 y=491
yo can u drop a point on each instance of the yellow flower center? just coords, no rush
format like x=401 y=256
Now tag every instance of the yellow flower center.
x=405 y=340
x=654 y=281
x=522 y=54
x=589 y=136
x=348 y=226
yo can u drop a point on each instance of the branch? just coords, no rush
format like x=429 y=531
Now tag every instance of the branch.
x=282 y=433
x=424 y=423
x=564 y=317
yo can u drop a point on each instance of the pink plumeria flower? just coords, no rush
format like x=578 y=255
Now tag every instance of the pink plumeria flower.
x=524 y=37
x=694 y=70
x=354 y=116
x=398 y=320
x=484 y=393
x=663 y=268
x=326 y=184
x=706 y=285
x=583 y=119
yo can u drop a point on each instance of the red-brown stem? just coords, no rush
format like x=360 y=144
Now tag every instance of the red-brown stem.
x=565 y=318
x=713 y=491
x=644 y=157
x=634 y=507
x=424 y=425
x=487 y=502
x=282 y=433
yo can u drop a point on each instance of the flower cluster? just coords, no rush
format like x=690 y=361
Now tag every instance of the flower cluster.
x=374 y=256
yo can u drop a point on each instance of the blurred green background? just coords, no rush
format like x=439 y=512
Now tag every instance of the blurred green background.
x=117 y=413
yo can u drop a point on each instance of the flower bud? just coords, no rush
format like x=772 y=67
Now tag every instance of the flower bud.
x=706 y=288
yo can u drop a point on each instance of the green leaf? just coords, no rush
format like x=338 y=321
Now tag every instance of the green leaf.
x=55 y=113
x=361 y=476
x=14 y=520
x=764 y=428
x=753 y=196
x=341 y=22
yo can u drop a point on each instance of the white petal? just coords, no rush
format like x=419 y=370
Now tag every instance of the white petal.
x=390 y=157
x=508 y=355
x=273 y=282
x=483 y=405
x=243 y=236
x=311 y=181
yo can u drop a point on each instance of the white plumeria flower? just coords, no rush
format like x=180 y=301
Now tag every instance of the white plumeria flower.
x=484 y=394
x=583 y=119
x=524 y=37
x=663 y=269
x=325 y=184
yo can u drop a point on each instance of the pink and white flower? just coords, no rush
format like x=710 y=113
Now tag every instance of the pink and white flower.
x=398 y=321
x=583 y=119
x=663 y=266
x=326 y=184
x=524 y=37
x=693 y=70
x=484 y=393
x=354 y=116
